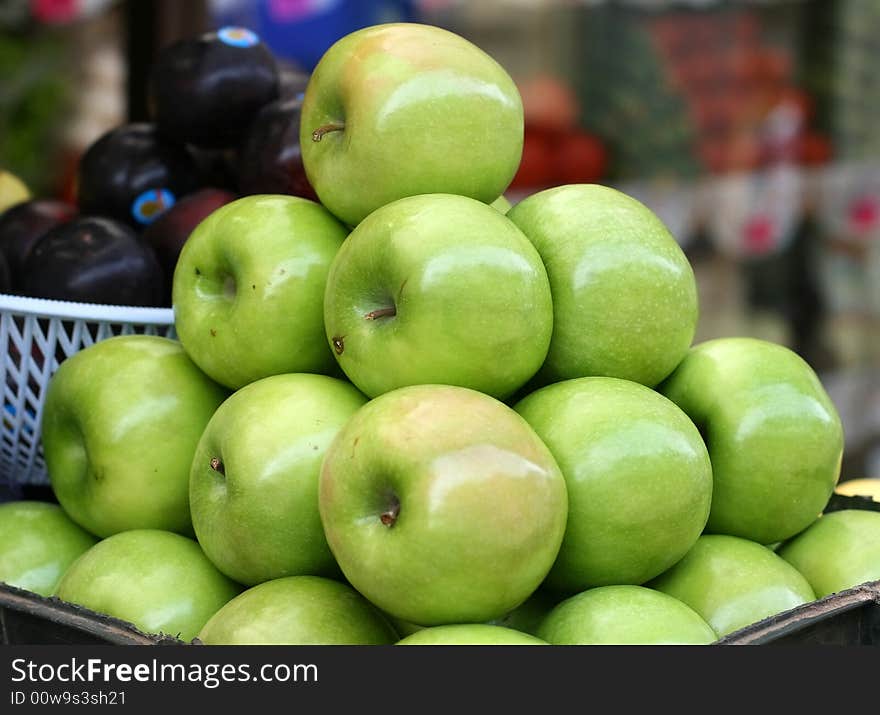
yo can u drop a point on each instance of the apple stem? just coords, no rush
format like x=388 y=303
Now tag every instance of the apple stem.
x=381 y=313
x=389 y=516
x=217 y=465
x=319 y=133
x=339 y=344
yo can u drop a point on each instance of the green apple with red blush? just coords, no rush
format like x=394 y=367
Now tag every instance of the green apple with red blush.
x=402 y=109
x=441 y=505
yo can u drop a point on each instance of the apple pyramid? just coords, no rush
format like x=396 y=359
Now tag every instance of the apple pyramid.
x=459 y=418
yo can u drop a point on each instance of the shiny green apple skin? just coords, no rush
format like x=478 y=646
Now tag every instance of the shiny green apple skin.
x=441 y=505
x=774 y=436
x=624 y=294
x=733 y=582
x=470 y=634
x=838 y=551
x=121 y=422
x=298 y=610
x=467 y=297
x=38 y=542
x=255 y=509
x=624 y=615
x=424 y=111
x=160 y=581
x=248 y=289
x=638 y=476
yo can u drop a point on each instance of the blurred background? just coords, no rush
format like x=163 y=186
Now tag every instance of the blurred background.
x=750 y=127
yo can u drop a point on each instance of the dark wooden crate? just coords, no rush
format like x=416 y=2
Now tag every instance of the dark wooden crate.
x=27 y=618
x=847 y=618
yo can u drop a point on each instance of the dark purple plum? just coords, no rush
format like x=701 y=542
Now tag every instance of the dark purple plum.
x=206 y=90
x=22 y=225
x=93 y=259
x=5 y=279
x=132 y=174
x=270 y=159
x=170 y=231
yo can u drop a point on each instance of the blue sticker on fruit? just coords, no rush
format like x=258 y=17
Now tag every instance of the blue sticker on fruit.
x=237 y=36
x=151 y=204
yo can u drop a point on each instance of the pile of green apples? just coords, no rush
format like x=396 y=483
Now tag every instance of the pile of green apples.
x=411 y=413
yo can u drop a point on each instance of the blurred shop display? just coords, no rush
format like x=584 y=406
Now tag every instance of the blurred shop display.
x=300 y=31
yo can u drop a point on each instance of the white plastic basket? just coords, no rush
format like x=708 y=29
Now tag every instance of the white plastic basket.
x=36 y=336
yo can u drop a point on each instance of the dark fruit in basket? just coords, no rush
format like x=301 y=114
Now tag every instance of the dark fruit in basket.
x=170 y=231
x=270 y=160
x=5 y=279
x=93 y=259
x=133 y=174
x=23 y=225
x=206 y=90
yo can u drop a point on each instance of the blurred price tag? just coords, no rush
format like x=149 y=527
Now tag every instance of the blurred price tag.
x=848 y=201
x=754 y=214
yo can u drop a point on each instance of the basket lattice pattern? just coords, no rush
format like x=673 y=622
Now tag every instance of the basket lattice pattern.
x=35 y=346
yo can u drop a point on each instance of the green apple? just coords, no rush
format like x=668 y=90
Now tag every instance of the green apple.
x=254 y=479
x=13 y=190
x=624 y=615
x=624 y=294
x=733 y=582
x=470 y=634
x=402 y=109
x=298 y=610
x=773 y=433
x=438 y=289
x=441 y=505
x=38 y=542
x=157 y=580
x=638 y=476
x=121 y=421
x=248 y=289
x=837 y=551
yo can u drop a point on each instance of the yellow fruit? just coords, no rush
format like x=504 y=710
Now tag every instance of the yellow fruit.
x=12 y=190
x=868 y=487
